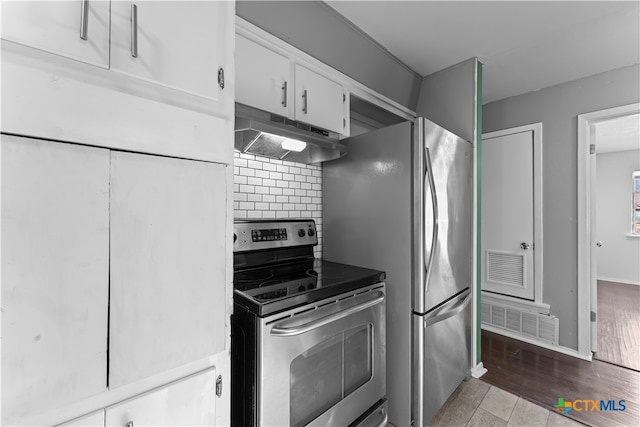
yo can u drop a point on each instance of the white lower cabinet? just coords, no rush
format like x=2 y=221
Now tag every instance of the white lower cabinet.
x=167 y=265
x=92 y=420
x=106 y=247
x=188 y=402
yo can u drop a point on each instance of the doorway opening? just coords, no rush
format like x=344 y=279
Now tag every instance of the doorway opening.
x=608 y=249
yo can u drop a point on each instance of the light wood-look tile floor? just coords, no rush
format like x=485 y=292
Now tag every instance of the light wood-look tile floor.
x=476 y=403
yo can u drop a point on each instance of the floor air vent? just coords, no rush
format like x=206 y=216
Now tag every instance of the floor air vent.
x=526 y=323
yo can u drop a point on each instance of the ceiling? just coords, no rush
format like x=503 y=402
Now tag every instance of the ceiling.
x=620 y=134
x=524 y=45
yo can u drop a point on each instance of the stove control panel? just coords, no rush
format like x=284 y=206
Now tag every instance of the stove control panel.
x=253 y=235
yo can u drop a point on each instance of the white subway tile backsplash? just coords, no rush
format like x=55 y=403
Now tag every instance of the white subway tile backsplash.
x=247 y=172
x=271 y=188
x=262 y=173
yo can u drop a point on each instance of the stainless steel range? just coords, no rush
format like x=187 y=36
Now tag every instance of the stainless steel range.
x=308 y=340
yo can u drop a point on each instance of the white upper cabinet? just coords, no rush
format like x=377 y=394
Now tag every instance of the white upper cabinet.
x=262 y=77
x=165 y=84
x=318 y=100
x=175 y=44
x=76 y=29
x=276 y=82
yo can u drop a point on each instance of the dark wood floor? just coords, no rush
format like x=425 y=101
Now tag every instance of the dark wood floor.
x=542 y=376
x=619 y=324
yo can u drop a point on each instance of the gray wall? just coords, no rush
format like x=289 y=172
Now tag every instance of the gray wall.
x=319 y=31
x=557 y=107
x=448 y=98
x=618 y=257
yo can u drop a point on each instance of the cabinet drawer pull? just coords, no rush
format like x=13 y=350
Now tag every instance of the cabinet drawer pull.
x=84 y=18
x=306 y=100
x=134 y=30
x=284 y=94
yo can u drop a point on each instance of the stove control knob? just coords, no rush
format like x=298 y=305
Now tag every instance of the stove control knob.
x=301 y=288
x=311 y=232
x=301 y=232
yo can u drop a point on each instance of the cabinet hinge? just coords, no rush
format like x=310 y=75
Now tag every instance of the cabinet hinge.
x=221 y=77
x=344 y=98
x=219 y=386
x=344 y=123
x=593 y=316
x=592 y=149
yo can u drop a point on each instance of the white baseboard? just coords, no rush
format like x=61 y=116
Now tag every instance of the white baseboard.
x=478 y=370
x=623 y=281
x=548 y=346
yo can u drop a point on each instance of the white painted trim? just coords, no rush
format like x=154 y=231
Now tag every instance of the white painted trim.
x=478 y=370
x=536 y=128
x=548 y=346
x=586 y=239
x=516 y=303
x=475 y=297
x=252 y=32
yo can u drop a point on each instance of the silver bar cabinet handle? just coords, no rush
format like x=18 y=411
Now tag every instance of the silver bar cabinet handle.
x=84 y=18
x=306 y=100
x=134 y=30
x=284 y=94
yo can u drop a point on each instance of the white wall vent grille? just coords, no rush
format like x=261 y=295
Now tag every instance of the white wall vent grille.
x=505 y=268
x=526 y=323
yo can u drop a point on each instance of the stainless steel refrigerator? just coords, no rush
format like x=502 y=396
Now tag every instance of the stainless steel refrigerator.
x=402 y=201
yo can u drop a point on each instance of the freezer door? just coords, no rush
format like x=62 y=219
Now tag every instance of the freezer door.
x=441 y=355
x=443 y=215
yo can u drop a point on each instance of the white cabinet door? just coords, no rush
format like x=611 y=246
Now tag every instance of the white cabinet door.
x=92 y=420
x=76 y=29
x=262 y=77
x=318 y=100
x=179 y=44
x=168 y=221
x=188 y=402
x=55 y=270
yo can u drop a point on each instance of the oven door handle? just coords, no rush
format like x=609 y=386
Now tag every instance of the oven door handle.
x=277 y=331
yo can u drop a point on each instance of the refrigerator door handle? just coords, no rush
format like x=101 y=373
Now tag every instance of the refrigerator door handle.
x=454 y=310
x=430 y=230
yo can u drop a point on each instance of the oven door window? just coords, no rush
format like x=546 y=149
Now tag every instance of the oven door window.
x=326 y=373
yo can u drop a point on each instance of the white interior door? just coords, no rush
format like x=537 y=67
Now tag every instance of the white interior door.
x=508 y=214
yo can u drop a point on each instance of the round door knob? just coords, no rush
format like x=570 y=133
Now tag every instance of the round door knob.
x=599 y=244
x=525 y=245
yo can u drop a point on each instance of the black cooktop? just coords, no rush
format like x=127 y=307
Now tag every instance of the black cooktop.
x=268 y=290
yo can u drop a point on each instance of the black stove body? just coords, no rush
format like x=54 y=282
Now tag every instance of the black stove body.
x=276 y=277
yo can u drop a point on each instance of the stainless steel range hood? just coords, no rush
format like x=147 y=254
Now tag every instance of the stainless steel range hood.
x=265 y=134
